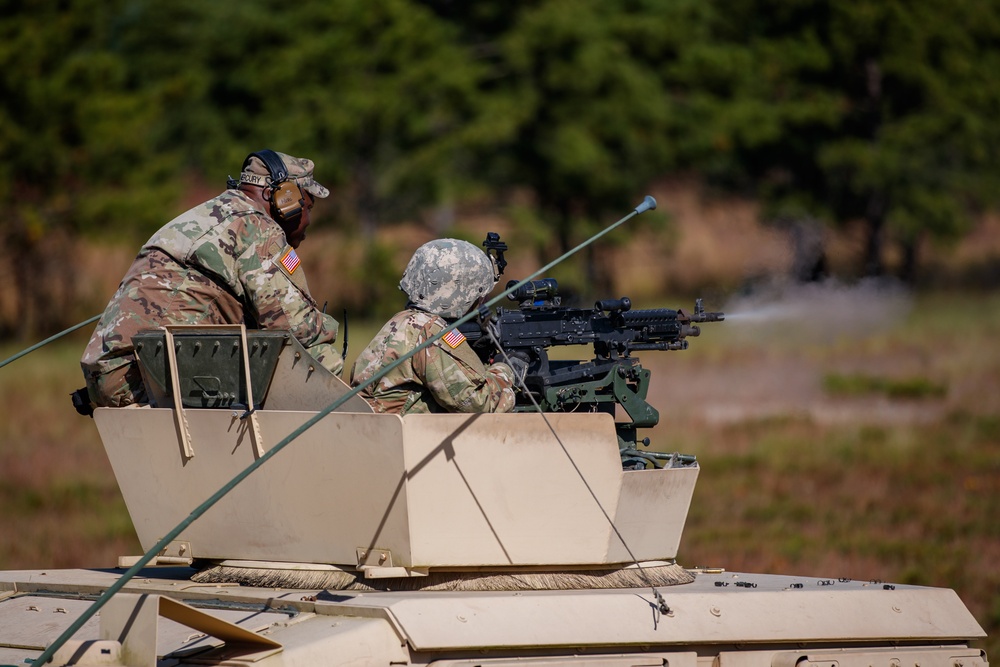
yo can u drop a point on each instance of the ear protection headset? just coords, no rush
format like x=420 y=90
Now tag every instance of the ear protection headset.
x=285 y=196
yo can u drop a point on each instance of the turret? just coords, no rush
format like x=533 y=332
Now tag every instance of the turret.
x=372 y=495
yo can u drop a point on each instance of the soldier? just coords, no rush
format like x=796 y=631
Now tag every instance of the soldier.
x=227 y=261
x=443 y=281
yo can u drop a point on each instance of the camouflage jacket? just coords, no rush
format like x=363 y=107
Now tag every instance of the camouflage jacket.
x=447 y=376
x=222 y=262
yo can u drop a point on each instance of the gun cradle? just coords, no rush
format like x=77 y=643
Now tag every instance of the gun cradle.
x=595 y=386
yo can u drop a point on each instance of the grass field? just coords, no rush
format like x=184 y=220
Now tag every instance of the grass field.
x=864 y=445
x=839 y=434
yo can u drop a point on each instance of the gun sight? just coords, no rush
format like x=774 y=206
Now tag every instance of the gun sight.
x=700 y=315
x=536 y=293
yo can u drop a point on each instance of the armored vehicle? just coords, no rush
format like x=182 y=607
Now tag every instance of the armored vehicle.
x=456 y=540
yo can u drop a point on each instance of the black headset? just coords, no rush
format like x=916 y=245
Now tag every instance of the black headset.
x=285 y=196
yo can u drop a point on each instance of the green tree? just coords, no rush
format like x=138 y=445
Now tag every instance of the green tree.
x=863 y=110
x=378 y=93
x=73 y=154
x=572 y=111
x=385 y=92
x=388 y=91
x=919 y=149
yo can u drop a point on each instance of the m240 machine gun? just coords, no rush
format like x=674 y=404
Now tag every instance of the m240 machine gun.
x=612 y=378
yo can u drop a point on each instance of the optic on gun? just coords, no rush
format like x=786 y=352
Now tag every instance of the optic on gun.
x=544 y=292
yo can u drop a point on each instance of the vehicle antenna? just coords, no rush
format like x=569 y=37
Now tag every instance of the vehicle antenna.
x=48 y=340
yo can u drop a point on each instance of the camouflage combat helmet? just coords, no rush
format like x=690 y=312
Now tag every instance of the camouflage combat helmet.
x=445 y=277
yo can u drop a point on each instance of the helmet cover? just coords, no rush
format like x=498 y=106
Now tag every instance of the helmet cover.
x=446 y=276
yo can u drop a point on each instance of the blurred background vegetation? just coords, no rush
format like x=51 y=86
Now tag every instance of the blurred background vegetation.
x=555 y=116
x=804 y=139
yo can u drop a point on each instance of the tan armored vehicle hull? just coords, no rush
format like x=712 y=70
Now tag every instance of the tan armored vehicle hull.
x=773 y=623
x=448 y=539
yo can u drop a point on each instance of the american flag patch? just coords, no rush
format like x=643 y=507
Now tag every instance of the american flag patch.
x=290 y=261
x=454 y=338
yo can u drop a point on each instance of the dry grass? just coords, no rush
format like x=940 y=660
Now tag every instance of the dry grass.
x=864 y=484
x=58 y=496
x=695 y=241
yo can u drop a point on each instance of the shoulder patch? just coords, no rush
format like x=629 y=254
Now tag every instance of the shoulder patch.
x=290 y=261
x=454 y=338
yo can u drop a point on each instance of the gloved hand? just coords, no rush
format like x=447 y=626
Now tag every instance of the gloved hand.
x=520 y=368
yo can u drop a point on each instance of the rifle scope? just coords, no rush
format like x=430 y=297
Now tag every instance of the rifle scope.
x=536 y=291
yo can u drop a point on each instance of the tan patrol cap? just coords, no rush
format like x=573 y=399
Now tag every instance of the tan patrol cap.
x=299 y=170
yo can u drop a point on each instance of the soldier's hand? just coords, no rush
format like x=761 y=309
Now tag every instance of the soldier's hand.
x=520 y=368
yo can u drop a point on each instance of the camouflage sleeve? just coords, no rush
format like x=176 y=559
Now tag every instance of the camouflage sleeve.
x=458 y=380
x=276 y=289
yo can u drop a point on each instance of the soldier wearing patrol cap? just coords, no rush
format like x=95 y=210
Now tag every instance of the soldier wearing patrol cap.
x=443 y=281
x=230 y=260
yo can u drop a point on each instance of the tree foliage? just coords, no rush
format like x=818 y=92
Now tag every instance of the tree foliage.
x=863 y=110
x=73 y=150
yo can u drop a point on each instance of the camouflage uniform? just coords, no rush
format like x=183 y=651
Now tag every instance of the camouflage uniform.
x=447 y=376
x=223 y=262
x=443 y=279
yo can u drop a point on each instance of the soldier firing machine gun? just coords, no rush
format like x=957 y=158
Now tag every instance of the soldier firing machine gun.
x=613 y=377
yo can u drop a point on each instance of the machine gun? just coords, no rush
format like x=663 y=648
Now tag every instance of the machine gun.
x=613 y=377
